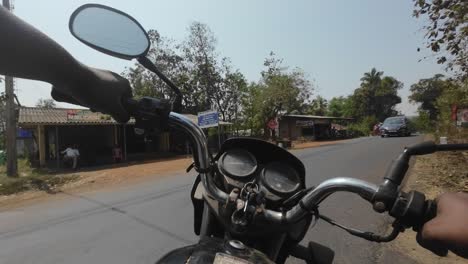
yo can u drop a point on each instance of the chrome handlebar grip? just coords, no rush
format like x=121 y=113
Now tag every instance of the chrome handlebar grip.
x=312 y=199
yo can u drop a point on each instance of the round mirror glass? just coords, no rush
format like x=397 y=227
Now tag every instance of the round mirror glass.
x=109 y=30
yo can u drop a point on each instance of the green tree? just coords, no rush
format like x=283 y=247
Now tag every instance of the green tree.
x=372 y=79
x=279 y=91
x=227 y=95
x=45 y=103
x=165 y=54
x=199 y=52
x=376 y=97
x=251 y=103
x=454 y=93
x=423 y=123
x=387 y=97
x=282 y=91
x=340 y=107
x=206 y=82
x=426 y=92
x=447 y=30
x=318 y=106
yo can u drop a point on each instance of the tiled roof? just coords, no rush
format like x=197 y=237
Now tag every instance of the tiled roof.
x=66 y=116
x=62 y=116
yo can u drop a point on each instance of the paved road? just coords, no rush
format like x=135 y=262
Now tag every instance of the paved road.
x=139 y=223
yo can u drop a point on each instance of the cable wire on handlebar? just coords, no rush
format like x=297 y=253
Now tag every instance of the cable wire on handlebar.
x=370 y=236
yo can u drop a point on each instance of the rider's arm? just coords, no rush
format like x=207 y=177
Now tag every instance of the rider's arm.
x=449 y=229
x=26 y=52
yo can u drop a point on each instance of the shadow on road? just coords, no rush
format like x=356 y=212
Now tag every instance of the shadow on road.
x=133 y=217
x=100 y=207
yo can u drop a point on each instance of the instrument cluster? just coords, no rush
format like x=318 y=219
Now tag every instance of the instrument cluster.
x=278 y=180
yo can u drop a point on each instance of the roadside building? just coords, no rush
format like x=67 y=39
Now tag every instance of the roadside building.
x=45 y=132
x=309 y=127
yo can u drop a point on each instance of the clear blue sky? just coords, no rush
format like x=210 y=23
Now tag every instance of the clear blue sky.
x=334 y=42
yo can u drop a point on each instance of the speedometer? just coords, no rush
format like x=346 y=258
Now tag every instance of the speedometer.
x=280 y=178
x=237 y=163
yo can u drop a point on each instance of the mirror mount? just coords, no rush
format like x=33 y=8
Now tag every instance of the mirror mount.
x=148 y=64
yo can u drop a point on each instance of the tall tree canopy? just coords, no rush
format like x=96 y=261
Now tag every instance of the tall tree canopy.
x=206 y=81
x=279 y=91
x=426 y=92
x=340 y=106
x=318 y=106
x=377 y=96
x=447 y=30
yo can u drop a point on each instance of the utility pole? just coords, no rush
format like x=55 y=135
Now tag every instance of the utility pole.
x=12 y=165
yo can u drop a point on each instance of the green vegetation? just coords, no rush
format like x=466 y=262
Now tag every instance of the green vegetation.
x=447 y=36
x=437 y=96
x=370 y=103
x=446 y=31
x=31 y=179
x=426 y=92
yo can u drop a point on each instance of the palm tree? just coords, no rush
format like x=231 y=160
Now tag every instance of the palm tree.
x=319 y=106
x=372 y=78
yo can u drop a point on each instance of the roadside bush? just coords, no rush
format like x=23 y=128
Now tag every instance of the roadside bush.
x=422 y=123
x=363 y=127
x=31 y=179
x=455 y=94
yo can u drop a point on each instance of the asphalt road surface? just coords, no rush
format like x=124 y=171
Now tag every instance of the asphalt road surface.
x=140 y=223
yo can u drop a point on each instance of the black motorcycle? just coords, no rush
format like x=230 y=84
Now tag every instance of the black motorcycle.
x=251 y=203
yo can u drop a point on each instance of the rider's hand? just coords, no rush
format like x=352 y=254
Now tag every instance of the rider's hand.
x=449 y=229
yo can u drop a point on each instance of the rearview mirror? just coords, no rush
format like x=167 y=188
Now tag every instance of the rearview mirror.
x=110 y=31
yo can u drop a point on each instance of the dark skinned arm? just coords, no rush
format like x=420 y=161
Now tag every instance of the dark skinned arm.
x=25 y=52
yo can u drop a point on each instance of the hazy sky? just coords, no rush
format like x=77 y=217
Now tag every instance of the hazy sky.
x=334 y=42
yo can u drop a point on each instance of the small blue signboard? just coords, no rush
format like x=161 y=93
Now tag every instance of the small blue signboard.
x=208 y=119
x=23 y=133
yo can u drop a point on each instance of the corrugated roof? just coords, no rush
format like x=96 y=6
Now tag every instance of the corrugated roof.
x=62 y=116
x=67 y=116
x=319 y=117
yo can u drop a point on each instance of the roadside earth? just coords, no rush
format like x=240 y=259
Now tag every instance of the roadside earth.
x=313 y=144
x=433 y=175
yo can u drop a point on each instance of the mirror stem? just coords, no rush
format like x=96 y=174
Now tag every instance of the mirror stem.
x=148 y=64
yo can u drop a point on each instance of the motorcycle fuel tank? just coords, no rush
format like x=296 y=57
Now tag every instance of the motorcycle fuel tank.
x=217 y=251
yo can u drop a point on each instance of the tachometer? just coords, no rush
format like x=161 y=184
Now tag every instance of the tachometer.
x=237 y=163
x=280 y=178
